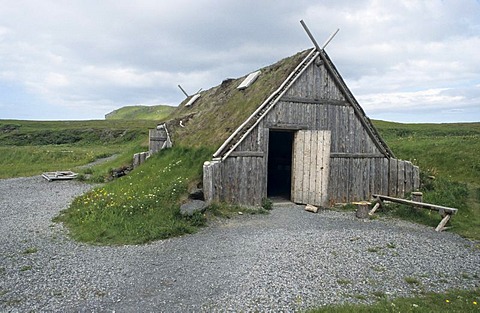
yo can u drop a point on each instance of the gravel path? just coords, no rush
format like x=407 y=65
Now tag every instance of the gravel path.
x=286 y=261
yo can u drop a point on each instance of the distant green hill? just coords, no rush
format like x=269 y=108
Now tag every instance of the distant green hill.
x=140 y=112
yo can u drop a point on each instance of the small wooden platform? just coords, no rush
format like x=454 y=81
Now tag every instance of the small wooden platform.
x=60 y=175
x=445 y=212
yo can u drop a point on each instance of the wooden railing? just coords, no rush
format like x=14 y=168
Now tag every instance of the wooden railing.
x=445 y=212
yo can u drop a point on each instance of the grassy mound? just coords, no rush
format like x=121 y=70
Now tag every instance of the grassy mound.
x=142 y=206
x=448 y=157
x=32 y=147
x=141 y=112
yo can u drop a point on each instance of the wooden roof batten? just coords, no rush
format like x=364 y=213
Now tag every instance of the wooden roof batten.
x=252 y=121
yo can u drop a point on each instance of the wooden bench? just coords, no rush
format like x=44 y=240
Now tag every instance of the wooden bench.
x=444 y=211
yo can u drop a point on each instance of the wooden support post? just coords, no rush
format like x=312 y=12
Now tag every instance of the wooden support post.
x=443 y=222
x=375 y=207
x=417 y=196
x=362 y=209
x=136 y=160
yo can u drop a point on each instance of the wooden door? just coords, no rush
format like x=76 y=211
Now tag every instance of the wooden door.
x=311 y=159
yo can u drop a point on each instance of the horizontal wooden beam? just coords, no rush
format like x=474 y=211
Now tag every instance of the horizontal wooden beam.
x=287 y=126
x=356 y=155
x=314 y=101
x=433 y=207
x=258 y=154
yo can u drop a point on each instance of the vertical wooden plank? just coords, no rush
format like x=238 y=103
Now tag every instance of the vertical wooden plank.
x=325 y=167
x=367 y=177
x=251 y=184
x=358 y=179
x=393 y=175
x=261 y=174
x=233 y=186
x=332 y=115
x=223 y=181
x=306 y=163
x=385 y=176
x=242 y=186
x=313 y=167
x=318 y=168
x=416 y=178
x=315 y=80
x=408 y=177
x=298 y=166
x=401 y=179
x=372 y=179
x=332 y=179
x=207 y=182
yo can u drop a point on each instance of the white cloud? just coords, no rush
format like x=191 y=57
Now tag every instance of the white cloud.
x=92 y=55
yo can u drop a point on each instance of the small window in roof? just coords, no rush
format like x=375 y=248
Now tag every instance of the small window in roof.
x=249 y=80
x=192 y=100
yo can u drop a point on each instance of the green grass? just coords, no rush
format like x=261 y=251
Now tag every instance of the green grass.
x=29 y=148
x=33 y=160
x=141 y=112
x=449 y=153
x=446 y=150
x=95 y=132
x=412 y=281
x=30 y=250
x=142 y=206
x=461 y=301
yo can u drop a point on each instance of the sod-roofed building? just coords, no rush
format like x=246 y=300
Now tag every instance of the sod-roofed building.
x=293 y=130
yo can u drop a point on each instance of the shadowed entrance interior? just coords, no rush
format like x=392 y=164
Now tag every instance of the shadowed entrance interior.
x=280 y=164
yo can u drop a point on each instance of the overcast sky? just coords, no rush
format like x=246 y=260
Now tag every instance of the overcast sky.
x=406 y=61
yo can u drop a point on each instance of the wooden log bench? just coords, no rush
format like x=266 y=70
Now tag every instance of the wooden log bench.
x=445 y=212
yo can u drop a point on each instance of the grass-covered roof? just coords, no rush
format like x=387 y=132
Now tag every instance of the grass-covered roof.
x=221 y=109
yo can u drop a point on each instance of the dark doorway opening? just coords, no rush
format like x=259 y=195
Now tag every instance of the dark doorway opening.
x=280 y=145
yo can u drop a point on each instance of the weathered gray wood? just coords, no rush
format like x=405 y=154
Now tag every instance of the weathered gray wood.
x=284 y=126
x=393 y=175
x=136 y=160
x=356 y=155
x=443 y=222
x=305 y=167
x=208 y=182
x=323 y=167
x=311 y=167
x=359 y=112
x=401 y=179
x=417 y=196
x=362 y=210
x=429 y=206
x=316 y=101
x=408 y=177
x=314 y=186
x=416 y=178
x=248 y=154
x=374 y=209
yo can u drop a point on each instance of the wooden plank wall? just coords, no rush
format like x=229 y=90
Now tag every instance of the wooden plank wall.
x=310 y=168
x=356 y=179
x=235 y=180
x=157 y=138
x=357 y=167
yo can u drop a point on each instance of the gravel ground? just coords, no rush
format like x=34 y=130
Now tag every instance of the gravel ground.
x=286 y=261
